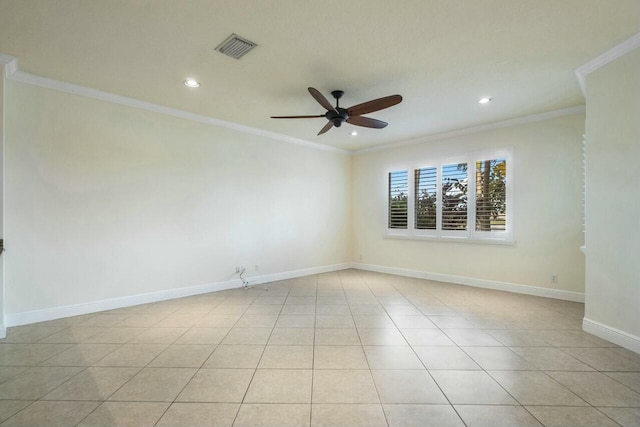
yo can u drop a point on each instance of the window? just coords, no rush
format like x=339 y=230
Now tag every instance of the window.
x=398 y=198
x=465 y=198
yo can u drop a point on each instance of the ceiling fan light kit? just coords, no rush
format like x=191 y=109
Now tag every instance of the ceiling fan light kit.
x=353 y=115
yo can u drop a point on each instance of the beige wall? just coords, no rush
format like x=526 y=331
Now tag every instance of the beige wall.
x=547 y=220
x=2 y=83
x=105 y=201
x=613 y=203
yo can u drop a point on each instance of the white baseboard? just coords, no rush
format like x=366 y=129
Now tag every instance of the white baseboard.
x=35 y=316
x=478 y=283
x=298 y=273
x=616 y=336
x=43 y=315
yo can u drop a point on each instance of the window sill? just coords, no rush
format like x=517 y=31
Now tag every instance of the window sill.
x=451 y=239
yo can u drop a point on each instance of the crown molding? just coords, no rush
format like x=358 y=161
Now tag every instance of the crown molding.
x=481 y=128
x=5 y=59
x=13 y=73
x=603 y=59
x=10 y=63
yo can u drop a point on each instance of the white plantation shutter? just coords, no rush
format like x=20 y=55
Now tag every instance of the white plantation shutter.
x=425 y=198
x=454 y=196
x=491 y=195
x=398 y=199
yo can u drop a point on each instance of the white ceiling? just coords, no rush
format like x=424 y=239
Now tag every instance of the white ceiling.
x=440 y=55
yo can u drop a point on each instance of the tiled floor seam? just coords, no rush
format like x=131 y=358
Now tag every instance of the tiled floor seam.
x=421 y=362
x=313 y=351
x=244 y=396
x=140 y=370
x=488 y=373
x=369 y=366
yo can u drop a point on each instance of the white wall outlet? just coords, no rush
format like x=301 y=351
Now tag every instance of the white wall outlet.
x=554 y=278
x=238 y=270
x=360 y=257
x=257 y=267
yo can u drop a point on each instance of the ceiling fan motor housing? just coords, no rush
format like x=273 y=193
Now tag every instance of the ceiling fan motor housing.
x=337 y=117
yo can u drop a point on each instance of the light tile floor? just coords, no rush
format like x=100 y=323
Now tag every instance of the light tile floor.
x=350 y=348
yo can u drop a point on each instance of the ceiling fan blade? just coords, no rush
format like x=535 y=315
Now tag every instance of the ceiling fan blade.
x=321 y=99
x=297 y=117
x=367 y=122
x=375 y=105
x=326 y=127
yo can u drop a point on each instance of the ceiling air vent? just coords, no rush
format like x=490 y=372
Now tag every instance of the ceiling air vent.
x=235 y=46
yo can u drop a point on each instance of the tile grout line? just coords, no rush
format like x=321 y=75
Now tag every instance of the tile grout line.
x=218 y=345
x=73 y=376
x=418 y=357
x=313 y=350
x=244 y=396
x=594 y=370
x=143 y=367
x=414 y=352
x=375 y=385
x=201 y=365
x=489 y=374
x=59 y=385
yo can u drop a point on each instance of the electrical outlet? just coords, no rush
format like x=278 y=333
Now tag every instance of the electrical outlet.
x=238 y=270
x=360 y=257
x=554 y=278
x=257 y=267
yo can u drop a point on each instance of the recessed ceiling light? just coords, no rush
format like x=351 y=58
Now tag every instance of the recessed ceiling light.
x=354 y=133
x=485 y=100
x=191 y=83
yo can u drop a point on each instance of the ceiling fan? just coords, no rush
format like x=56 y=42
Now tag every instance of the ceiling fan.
x=352 y=115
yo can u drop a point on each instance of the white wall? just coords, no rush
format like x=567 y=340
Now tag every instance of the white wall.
x=105 y=201
x=547 y=217
x=613 y=200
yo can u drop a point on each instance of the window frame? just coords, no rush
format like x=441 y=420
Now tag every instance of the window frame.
x=470 y=235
